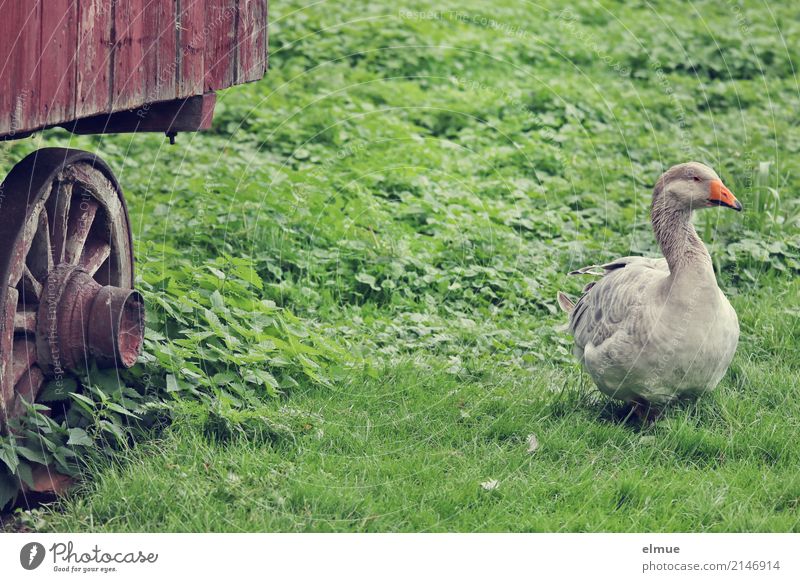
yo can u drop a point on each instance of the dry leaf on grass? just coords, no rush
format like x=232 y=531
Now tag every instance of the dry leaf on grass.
x=533 y=443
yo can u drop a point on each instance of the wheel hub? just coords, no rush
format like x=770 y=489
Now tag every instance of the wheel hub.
x=80 y=320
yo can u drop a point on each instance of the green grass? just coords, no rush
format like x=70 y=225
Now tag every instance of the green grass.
x=408 y=451
x=404 y=193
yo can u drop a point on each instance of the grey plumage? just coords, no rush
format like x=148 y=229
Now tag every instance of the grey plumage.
x=652 y=330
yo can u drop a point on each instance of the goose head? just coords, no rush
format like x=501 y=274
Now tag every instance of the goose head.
x=691 y=186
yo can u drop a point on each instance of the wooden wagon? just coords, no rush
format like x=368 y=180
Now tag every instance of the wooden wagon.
x=95 y=66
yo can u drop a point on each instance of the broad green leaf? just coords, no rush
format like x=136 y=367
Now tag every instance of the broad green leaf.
x=78 y=436
x=8 y=487
x=25 y=474
x=9 y=456
x=31 y=455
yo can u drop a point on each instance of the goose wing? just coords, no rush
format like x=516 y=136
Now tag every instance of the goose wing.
x=607 y=305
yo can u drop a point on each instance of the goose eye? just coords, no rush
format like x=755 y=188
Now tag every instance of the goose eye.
x=696 y=178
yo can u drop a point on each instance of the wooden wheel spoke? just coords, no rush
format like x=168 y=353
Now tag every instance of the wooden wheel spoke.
x=95 y=253
x=29 y=287
x=39 y=260
x=23 y=357
x=7 y=312
x=25 y=321
x=111 y=224
x=29 y=237
x=28 y=387
x=58 y=206
x=30 y=384
x=81 y=217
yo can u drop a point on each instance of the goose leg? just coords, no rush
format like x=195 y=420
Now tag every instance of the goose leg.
x=645 y=412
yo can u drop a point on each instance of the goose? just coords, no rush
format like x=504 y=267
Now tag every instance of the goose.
x=652 y=331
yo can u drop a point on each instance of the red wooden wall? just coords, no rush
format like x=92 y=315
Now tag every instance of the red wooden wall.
x=65 y=59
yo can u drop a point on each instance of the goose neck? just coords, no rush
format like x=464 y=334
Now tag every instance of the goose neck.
x=680 y=244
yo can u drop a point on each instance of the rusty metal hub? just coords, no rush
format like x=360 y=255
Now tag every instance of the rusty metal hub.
x=79 y=321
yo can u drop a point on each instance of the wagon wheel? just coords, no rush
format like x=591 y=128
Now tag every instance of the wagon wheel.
x=66 y=268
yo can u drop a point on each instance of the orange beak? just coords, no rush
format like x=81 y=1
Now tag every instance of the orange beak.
x=721 y=196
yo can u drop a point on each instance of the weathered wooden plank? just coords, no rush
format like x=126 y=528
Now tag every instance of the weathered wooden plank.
x=266 y=39
x=58 y=61
x=251 y=40
x=192 y=45
x=94 y=62
x=20 y=29
x=166 y=50
x=128 y=78
x=220 y=46
x=8 y=23
x=178 y=115
x=145 y=56
x=152 y=35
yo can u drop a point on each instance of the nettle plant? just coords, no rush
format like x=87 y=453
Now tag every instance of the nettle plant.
x=213 y=338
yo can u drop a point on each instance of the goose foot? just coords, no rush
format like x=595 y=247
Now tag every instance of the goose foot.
x=645 y=412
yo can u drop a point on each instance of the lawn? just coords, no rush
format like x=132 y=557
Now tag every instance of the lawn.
x=351 y=280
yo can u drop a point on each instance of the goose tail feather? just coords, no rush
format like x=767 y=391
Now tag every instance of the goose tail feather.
x=565 y=302
x=590 y=270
